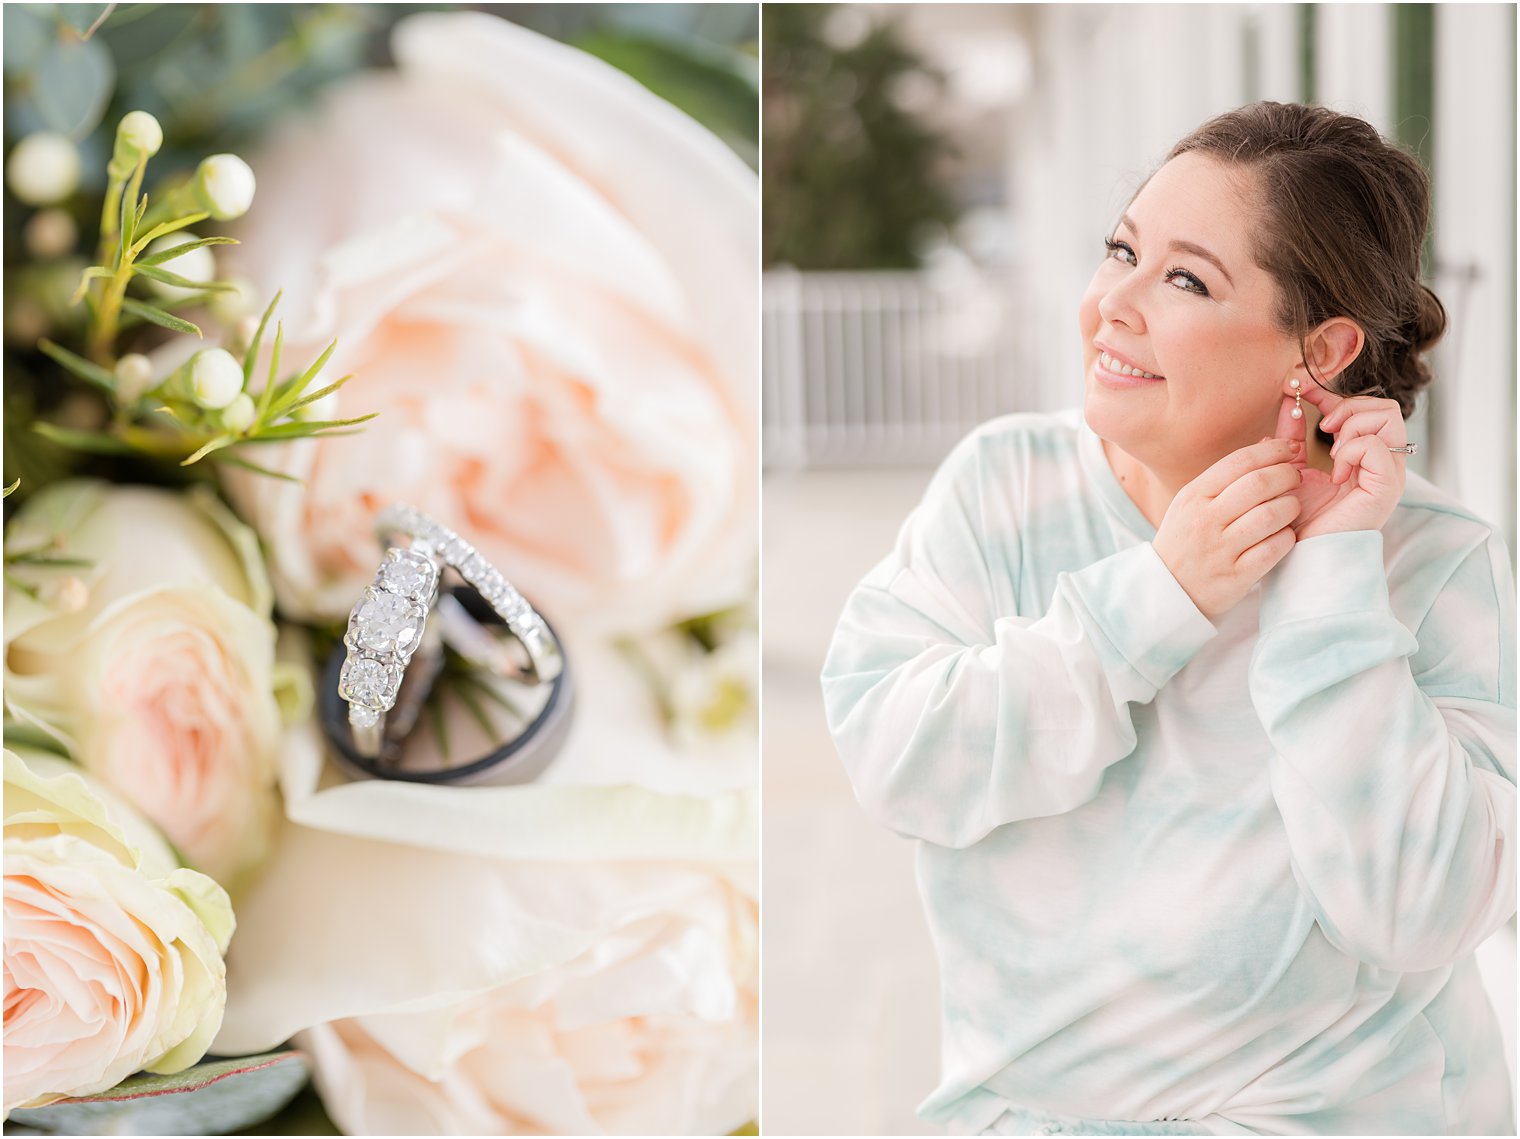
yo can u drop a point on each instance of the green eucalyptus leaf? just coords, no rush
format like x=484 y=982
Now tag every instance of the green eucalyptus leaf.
x=10 y=490
x=158 y=316
x=171 y=253
x=215 y=1098
x=27 y=31
x=78 y=365
x=303 y=1115
x=72 y=84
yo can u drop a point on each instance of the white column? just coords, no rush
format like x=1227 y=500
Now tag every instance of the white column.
x=1353 y=69
x=1278 y=47
x=1473 y=398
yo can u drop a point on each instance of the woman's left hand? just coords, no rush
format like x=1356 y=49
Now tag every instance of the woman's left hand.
x=1367 y=480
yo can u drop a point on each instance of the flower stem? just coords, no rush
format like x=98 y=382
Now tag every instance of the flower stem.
x=110 y=211
x=107 y=313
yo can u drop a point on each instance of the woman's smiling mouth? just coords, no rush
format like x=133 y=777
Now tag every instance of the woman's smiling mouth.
x=1113 y=371
x=1119 y=367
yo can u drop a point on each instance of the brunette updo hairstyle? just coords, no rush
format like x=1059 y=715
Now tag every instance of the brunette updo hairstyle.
x=1343 y=219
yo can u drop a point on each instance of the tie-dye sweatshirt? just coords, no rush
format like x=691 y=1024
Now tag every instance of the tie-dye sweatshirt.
x=1217 y=877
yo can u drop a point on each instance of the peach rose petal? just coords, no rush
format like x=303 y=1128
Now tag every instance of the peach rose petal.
x=563 y=353
x=697 y=204
x=174 y=690
x=108 y=970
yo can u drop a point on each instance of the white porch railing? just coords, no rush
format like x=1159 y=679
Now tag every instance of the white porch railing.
x=884 y=368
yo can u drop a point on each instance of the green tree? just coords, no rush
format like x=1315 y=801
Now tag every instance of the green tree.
x=852 y=180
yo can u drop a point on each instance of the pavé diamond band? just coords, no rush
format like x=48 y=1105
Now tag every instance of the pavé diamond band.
x=433 y=540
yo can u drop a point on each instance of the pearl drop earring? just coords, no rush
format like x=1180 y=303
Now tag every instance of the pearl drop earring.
x=1298 y=399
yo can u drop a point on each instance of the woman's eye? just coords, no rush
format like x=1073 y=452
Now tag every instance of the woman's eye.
x=1119 y=251
x=1187 y=282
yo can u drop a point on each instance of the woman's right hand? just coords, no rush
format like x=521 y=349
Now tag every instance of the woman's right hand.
x=1231 y=524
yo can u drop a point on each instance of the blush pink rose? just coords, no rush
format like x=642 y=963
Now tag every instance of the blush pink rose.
x=544 y=279
x=161 y=681
x=113 y=954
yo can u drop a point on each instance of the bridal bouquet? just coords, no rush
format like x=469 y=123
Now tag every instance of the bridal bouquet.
x=500 y=280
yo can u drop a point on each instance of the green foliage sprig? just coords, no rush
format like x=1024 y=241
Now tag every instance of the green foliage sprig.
x=208 y=405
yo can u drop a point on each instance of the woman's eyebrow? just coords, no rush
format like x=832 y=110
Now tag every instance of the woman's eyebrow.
x=1186 y=247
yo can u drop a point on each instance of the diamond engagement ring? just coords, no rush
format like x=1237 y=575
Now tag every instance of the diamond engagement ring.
x=384 y=631
x=388 y=625
x=1406 y=449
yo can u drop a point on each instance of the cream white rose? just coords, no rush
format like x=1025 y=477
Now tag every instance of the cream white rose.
x=545 y=281
x=113 y=956
x=651 y=1030
x=513 y=996
x=162 y=681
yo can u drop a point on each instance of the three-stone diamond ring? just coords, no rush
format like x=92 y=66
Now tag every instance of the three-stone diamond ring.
x=389 y=620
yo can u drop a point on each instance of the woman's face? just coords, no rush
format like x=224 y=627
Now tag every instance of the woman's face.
x=1180 y=296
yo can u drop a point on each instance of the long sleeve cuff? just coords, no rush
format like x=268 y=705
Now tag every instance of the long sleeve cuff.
x=1325 y=617
x=1326 y=577
x=1147 y=618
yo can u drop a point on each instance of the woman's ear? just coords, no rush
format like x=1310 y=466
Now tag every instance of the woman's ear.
x=1330 y=348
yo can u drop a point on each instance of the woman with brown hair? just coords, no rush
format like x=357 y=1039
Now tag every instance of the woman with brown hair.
x=1208 y=728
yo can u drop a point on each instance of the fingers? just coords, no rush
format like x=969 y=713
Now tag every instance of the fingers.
x=1343 y=407
x=1255 y=561
x=1387 y=426
x=1223 y=473
x=1368 y=460
x=1256 y=487
x=1261 y=522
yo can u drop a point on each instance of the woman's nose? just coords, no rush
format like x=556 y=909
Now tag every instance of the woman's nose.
x=1118 y=304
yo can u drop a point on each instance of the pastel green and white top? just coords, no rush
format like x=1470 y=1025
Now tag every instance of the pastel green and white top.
x=1229 y=873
